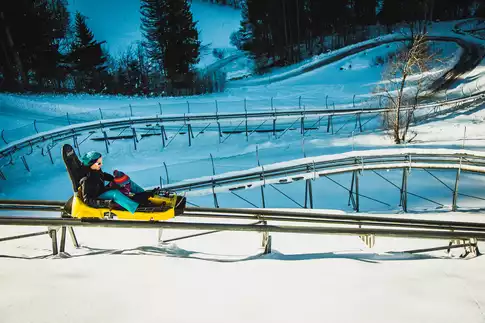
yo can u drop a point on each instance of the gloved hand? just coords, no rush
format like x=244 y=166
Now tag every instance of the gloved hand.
x=114 y=186
x=156 y=191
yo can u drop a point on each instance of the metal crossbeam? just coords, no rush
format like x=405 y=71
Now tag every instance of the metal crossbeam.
x=362 y=195
x=240 y=123
x=242 y=198
x=176 y=133
x=410 y=193
x=288 y=197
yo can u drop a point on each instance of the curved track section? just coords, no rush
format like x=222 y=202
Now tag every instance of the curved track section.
x=317 y=167
x=471 y=57
x=158 y=122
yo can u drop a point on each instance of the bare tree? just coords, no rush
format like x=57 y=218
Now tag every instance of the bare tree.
x=404 y=84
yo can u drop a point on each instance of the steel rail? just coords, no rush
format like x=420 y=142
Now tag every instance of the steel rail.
x=426 y=234
x=469 y=161
x=313 y=217
x=73 y=130
x=343 y=221
x=38 y=208
x=223 y=212
x=32 y=202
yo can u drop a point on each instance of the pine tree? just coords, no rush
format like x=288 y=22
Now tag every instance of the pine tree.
x=30 y=33
x=132 y=71
x=242 y=39
x=320 y=18
x=87 y=57
x=340 y=21
x=391 y=12
x=257 y=27
x=365 y=12
x=171 y=38
x=480 y=12
x=48 y=63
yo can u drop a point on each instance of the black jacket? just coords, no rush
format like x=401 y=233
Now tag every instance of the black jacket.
x=92 y=185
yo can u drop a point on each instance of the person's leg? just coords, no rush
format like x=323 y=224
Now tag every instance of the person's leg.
x=120 y=199
x=135 y=188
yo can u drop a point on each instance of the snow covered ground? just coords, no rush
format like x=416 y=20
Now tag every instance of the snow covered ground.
x=122 y=275
x=125 y=275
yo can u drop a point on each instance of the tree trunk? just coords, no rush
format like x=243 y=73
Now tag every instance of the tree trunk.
x=15 y=54
x=8 y=73
x=397 y=137
x=285 y=28
x=298 y=29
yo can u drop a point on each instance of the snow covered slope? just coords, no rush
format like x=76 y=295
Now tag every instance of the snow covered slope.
x=126 y=275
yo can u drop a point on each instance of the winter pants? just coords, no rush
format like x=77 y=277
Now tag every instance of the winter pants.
x=120 y=199
x=135 y=188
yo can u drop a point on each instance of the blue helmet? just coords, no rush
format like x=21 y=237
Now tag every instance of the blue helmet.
x=89 y=158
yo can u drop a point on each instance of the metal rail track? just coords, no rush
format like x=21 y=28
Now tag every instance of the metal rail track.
x=266 y=215
x=320 y=166
x=455 y=233
x=73 y=130
x=313 y=168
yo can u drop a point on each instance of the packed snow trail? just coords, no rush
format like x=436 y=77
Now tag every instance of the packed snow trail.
x=473 y=54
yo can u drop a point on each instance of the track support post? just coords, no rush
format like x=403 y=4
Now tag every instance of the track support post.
x=73 y=237
x=330 y=123
x=106 y=143
x=216 y=203
x=63 y=239
x=357 y=206
x=76 y=145
x=219 y=129
x=164 y=135
x=470 y=247
x=50 y=155
x=246 y=119
x=308 y=194
x=404 y=190
x=455 y=191
x=351 y=192
x=159 y=236
x=53 y=235
x=25 y=163
x=263 y=201
x=368 y=239
x=261 y=178
x=134 y=137
x=190 y=133
x=266 y=242
x=354 y=189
